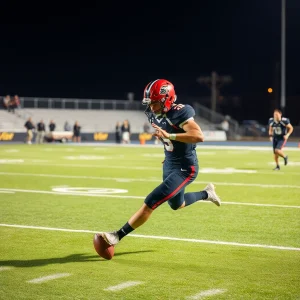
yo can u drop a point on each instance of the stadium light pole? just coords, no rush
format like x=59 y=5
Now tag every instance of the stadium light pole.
x=283 y=72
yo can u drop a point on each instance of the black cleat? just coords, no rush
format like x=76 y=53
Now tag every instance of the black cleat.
x=286 y=160
x=276 y=169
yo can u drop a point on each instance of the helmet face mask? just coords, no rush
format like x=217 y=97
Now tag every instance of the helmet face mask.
x=161 y=91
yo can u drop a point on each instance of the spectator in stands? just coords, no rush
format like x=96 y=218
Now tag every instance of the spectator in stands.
x=29 y=127
x=125 y=132
x=118 y=133
x=52 y=126
x=13 y=104
x=17 y=102
x=146 y=127
x=225 y=124
x=6 y=101
x=76 y=132
x=40 y=132
x=67 y=126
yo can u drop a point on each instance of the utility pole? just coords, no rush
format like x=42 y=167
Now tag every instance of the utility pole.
x=282 y=99
x=214 y=82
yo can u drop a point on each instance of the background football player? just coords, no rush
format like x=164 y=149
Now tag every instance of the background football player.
x=279 y=131
x=175 y=125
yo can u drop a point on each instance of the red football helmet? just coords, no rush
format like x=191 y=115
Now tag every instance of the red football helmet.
x=160 y=90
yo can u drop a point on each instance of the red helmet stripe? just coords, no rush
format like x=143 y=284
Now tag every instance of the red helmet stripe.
x=148 y=89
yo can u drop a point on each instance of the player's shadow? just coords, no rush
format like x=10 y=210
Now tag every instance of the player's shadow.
x=49 y=261
x=132 y=252
x=60 y=260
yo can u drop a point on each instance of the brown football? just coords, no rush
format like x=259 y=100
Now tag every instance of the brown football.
x=102 y=248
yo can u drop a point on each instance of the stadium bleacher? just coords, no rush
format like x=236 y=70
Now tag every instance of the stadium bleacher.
x=11 y=122
x=90 y=120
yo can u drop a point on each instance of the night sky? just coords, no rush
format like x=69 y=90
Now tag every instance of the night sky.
x=108 y=49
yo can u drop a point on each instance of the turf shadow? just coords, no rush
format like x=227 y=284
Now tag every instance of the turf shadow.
x=49 y=261
x=132 y=252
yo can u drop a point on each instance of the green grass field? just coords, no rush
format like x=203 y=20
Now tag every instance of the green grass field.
x=199 y=252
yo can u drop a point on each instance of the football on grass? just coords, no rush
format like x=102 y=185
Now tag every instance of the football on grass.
x=102 y=248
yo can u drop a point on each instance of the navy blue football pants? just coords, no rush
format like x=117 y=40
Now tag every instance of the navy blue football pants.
x=175 y=179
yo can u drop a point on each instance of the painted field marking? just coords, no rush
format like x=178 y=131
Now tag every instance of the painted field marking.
x=162 y=155
x=149 y=180
x=49 y=277
x=5 y=268
x=127 y=167
x=291 y=163
x=11 y=161
x=72 y=193
x=12 y=150
x=207 y=293
x=92 y=194
x=88 y=190
x=158 y=237
x=123 y=286
x=86 y=157
x=6 y=192
x=160 y=146
x=225 y=171
x=259 y=204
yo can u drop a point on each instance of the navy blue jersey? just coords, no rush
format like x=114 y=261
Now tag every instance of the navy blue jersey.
x=176 y=152
x=279 y=128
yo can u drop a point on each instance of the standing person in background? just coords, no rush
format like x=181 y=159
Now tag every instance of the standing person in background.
x=146 y=127
x=125 y=132
x=17 y=104
x=6 y=101
x=76 y=132
x=225 y=125
x=40 y=132
x=12 y=105
x=52 y=126
x=29 y=127
x=17 y=101
x=118 y=133
x=67 y=126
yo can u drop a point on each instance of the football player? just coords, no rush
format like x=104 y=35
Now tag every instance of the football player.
x=175 y=126
x=279 y=131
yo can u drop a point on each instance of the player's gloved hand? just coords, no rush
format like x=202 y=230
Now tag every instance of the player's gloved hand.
x=286 y=137
x=160 y=133
x=271 y=139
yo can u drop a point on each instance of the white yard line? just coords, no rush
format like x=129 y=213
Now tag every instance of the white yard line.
x=207 y=293
x=158 y=180
x=160 y=146
x=12 y=150
x=10 y=162
x=91 y=194
x=100 y=166
x=49 y=277
x=159 y=237
x=5 y=268
x=72 y=194
x=6 y=192
x=260 y=204
x=122 y=286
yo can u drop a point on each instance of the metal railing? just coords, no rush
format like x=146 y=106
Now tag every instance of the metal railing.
x=63 y=103
x=216 y=118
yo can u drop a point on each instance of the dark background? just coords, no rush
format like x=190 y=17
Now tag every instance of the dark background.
x=107 y=49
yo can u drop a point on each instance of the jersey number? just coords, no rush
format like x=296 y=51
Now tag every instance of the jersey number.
x=168 y=145
x=278 y=130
